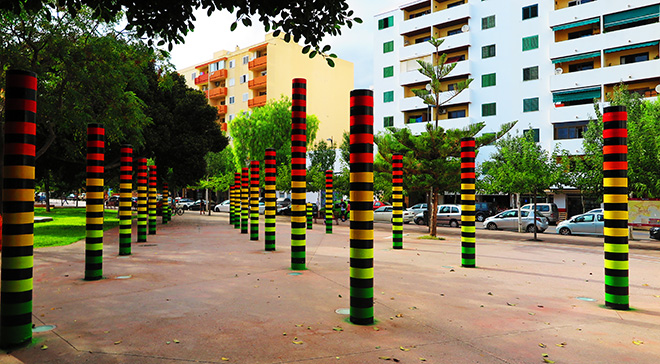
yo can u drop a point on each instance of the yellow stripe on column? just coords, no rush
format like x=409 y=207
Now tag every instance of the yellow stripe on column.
x=616 y=232
x=616 y=215
x=363 y=177
x=615 y=182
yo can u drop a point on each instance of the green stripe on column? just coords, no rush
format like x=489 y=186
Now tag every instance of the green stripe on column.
x=166 y=203
x=94 y=205
x=125 y=201
x=397 y=201
x=310 y=224
x=328 y=202
x=269 y=217
x=142 y=214
x=20 y=109
x=237 y=200
x=468 y=180
x=298 y=172
x=362 y=214
x=254 y=200
x=153 y=197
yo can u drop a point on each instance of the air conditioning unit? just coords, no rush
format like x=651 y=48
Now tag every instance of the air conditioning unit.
x=558 y=71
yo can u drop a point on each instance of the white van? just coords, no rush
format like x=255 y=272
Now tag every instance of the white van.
x=548 y=210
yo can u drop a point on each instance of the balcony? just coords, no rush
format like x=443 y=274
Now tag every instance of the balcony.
x=435 y=18
x=257 y=101
x=572 y=113
x=424 y=48
x=218 y=75
x=418 y=128
x=202 y=79
x=223 y=127
x=414 y=102
x=222 y=109
x=413 y=76
x=258 y=82
x=606 y=75
x=218 y=92
x=258 y=64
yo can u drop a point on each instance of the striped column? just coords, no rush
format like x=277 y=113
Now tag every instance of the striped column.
x=231 y=205
x=468 y=180
x=237 y=200
x=125 y=202
x=615 y=198
x=244 y=201
x=328 y=201
x=310 y=224
x=166 y=203
x=142 y=214
x=18 y=202
x=94 y=208
x=254 y=200
x=362 y=213
x=152 y=199
x=397 y=201
x=270 y=176
x=298 y=173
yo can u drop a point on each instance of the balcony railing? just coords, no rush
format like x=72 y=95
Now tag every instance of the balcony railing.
x=257 y=101
x=202 y=79
x=218 y=92
x=257 y=82
x=222 y=109
x=257 y=63
x=218 y=75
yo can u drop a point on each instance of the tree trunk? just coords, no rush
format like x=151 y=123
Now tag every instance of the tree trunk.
x=519 y=214
x=47 y=187
x=434 y=214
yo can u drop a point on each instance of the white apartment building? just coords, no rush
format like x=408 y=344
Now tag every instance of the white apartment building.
x=540 y=62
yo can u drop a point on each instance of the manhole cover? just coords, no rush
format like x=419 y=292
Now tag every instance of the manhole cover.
x=343 y=311
x=43 y=328
x=123 y=277
x=586 y=299
x=295 y=274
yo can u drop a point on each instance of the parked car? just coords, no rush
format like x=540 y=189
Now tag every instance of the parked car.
x=197 y=205
x=549 y=210
x=384 y=213
x=484 y=210
x=184 y=203
x=654 y=233
x=282 y=202
x=287 y=210
x=222 y=207
x=417 y=208
x=112 y=201
x=447 y=214
x=588 y=223
x=595 y=211
x=378 y=204
x=508 y=220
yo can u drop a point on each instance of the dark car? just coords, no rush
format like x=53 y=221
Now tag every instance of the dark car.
x=113 y=201
x=654 y=233
x=484 y=210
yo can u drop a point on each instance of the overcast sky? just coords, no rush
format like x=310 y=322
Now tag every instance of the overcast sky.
x=355 y=45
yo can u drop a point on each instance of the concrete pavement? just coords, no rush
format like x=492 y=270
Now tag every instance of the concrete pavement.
x=199 y=291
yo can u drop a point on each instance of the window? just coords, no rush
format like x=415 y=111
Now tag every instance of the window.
x=388 y=121
x=388 y=71
x=456 y=114
x=488 y=109
x=531 y=104
x=531 y=73
x=457 y=3
x=244 y=78
x=231 y=100
x=531 y=11
x=388 y=96
x=581 y=34
x=230 y=117
x=193 y=75
x=213 y=67
x=535 y=133
x=488 y=51
x=455 y=59
x=454 y=32
x=581 y=66
x=572 y=130
x=246 y=96
x=246 y=59
x=221 y=64
x=488 y=22
x=388 y=47
x=385 y=22
x=231 y=82
x=633 y=58
x=488 y=80
x=530 y=43
x=232 y=63
x=578 y=2
x=423 y=39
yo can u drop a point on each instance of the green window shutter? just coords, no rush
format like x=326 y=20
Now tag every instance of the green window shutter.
x=488 y=109
x=390 y=21
x=388 y=46
x=380 y=24
x=388 y=72
x=388 y=121
x=530 y=43
x=531 y=104
x=488 y=51
x=488 y=80
x=531 y=73
x=488 y=22
x=388 y=96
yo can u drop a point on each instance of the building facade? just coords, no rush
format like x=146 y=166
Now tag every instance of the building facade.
x=540 y=62
x=247 y=78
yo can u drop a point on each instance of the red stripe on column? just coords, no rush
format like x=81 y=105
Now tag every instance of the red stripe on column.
x=615 y=116
x=615 y=133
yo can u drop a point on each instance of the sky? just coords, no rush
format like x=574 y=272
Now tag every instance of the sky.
x=355 y=45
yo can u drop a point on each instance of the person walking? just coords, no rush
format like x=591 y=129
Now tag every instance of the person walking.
x=342 y=207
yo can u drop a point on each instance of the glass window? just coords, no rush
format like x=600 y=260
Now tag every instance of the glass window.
x=454 y=209
x=388 y=96
x=232 y=63
x=581 y=66
x=388 y=71
x=388 y=121
x=531 y=73
x=488 y=22
x=388 y=46
x=221 y=64
x=246 y=59
x=213 y=67
x=193 y=75
x=531 y=11
x=570 y=130
x=531 y=104
x=488 y=51
x=457 y=3
x=444 y=209
x=385 y=22
x=535 y=132
x=231 y=82
x=244 y=78
x=231 y=100
x=529 y=43
x=454 y=32
x=456 y=114
x=488 y=80
x=488 y=109
x=246 y=96
x=633 y=58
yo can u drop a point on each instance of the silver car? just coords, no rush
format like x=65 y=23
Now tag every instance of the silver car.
x=447 y=214
x=222 y=207
x=417 y=208
x=589 y=223
x=384 y=213
x=508 y=220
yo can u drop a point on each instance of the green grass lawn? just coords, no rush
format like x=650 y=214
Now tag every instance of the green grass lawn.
x=68 y=226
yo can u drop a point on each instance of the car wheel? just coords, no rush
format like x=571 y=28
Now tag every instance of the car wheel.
x=530 y=228
x=565 y=231
x=453 y=223
x=419 y=221
x=491 y=226
x=480 y=217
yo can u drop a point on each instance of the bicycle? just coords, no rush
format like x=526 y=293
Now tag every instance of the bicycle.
x=178 y=210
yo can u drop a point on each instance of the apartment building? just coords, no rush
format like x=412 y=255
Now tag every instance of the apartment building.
x=540 y=62
x=247 y=78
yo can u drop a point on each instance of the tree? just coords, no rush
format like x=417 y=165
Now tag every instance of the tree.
x=520 y=165
x=171 y=20
x=431 y=160
x=321 y=159
x=220 y=169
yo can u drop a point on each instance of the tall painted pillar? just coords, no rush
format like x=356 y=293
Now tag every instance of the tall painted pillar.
x=310 y=223
x=142 y=213
x=18 y=202
x=125 y=202
x=397 y=201
x=244 y=201
x=231 y=205
x=298 y=173
x=166 y=203
x=615 y=198
x=153 y=198
x=237 y=200
x=254 y=200
x=94 y=203
x=468 y=190
x=328 y=201
x=270 y=179
x=362 y=213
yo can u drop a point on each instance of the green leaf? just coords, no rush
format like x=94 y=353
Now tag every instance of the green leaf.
x=331 y=63
x=276 y=33
x=233 y=26
x=357 y=20
x=306 y=49
x=326 y=48
x=312 y=54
